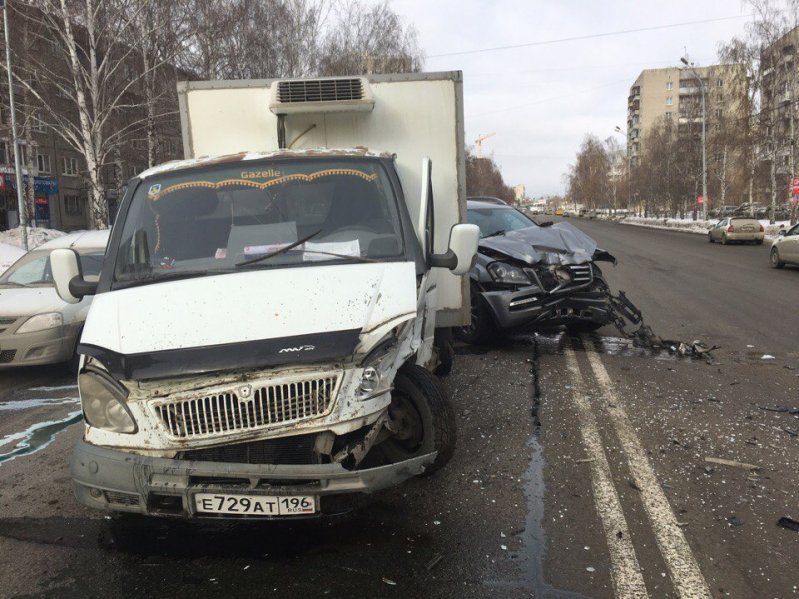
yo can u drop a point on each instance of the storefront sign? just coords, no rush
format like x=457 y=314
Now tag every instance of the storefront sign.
x=41 y=185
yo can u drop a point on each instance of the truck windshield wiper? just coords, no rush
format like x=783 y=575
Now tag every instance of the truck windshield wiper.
x=282 y=250
x=495 y=233
x=347 y=256
x=131 y=280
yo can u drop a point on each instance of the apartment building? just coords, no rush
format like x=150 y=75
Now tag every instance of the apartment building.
x=674 y=96
x=779 y=98
x=53 y=168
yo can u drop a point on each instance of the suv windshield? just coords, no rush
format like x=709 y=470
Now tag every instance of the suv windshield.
x=494 y=221
x=33 y=269
x=258 y=214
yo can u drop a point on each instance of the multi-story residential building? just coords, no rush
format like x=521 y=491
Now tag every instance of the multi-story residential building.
x=674 y=95
x=58 y=171
x=779 y=98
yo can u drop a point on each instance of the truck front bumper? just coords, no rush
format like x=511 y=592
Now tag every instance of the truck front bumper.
x=110 y=479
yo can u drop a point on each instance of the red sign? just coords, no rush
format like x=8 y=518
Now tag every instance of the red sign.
x=795 y=185
x=700 y=199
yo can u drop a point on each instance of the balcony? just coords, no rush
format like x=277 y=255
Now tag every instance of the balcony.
x=690 y=91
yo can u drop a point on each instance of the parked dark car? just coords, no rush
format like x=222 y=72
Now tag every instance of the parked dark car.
x=529 y=274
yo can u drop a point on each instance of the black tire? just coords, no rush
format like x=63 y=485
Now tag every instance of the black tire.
x=482 y=329
x=583 y=326
x=446 y=354
x=759 y=242
x=710 y=237
x=724 y=240
x=422 y=412
x=775 y=259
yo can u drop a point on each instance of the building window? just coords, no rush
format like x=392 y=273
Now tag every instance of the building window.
x=719 y=83
x=43 y=162
x=72 y=205
x=718 y=113
x=23 y=155
x=4 y=152
x=39 y=124
x=669 y=86
x=70 y=166
x=668 y=115
x=669 y=101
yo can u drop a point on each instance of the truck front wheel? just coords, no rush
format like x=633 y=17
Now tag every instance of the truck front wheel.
x=421 y=416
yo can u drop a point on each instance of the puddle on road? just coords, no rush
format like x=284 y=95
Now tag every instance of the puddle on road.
x=36 y=437
x=27 y=404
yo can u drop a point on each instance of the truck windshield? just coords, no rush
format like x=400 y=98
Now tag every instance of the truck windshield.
x=252 y=214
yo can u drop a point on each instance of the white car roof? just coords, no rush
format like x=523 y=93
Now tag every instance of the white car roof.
x=81 y=240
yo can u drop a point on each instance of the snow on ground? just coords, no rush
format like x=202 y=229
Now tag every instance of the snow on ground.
x=36 y=237
x=8 y=255
x=696 y=226
x=11 y=243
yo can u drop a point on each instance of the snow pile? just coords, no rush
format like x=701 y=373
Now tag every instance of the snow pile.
x=36 y=237
x=701 y=227
x=8 y=255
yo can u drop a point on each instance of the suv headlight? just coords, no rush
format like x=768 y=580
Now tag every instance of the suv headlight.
x=104 y=403
x=508 y=273
x=40 y=322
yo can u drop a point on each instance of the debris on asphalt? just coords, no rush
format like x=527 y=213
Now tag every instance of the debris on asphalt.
x=788 y=523
x=503 y=547
x=781 y=409
x=584 y=460
x=590 y=569
x=735 y=521
x=767 y=357
x=632 y=484
x=790 y=431
x=389 y=581
x=434 y=562
x=732 y=463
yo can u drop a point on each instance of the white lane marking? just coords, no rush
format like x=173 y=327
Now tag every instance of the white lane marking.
x=57 y=388
x=684 y=571
x=625 y=571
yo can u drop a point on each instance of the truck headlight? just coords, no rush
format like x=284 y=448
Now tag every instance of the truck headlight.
x=41 y=322
x=104 y=404
x=376 y=376
x=508 y=273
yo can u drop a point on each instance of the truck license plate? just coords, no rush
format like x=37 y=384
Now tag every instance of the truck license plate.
x=255 y=505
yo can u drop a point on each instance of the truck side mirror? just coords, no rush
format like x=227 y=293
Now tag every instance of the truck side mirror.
x=68 y=276
x=462 y=250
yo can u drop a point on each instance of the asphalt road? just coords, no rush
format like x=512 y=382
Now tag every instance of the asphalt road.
x=580 y=472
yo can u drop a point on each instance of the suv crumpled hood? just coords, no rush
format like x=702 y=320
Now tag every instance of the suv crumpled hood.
x=252 y=311
x=561 y=243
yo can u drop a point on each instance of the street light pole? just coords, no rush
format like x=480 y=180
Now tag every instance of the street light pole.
x=23 y=217
x=690 y=66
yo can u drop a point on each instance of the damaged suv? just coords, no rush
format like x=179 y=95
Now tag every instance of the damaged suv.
x=529 y=274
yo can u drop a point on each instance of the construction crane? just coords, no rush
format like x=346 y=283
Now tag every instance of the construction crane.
x=479 y=142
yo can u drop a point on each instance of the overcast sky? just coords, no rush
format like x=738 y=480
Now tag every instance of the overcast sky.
x=542 y=100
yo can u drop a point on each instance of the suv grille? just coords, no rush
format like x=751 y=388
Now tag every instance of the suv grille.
x=319 y=90
x=264 y=406
x=7 y=356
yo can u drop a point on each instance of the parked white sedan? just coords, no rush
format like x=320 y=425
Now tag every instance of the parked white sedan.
x=785 y=249
x=36 y=326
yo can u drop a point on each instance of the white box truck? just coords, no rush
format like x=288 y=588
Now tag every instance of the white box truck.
x=262 y=336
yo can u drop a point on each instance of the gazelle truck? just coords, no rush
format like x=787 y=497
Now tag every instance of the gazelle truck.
x=263 y=335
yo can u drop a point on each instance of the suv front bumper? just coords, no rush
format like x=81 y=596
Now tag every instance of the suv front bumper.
x=532 y=306
x=115 y=480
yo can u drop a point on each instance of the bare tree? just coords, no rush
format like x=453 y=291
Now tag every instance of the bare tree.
x=375 y=40
x=93 y=70
x=589 y=177
x=483 y=178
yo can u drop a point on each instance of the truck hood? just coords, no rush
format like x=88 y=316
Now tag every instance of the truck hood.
x=561 y=243
x=248 y=319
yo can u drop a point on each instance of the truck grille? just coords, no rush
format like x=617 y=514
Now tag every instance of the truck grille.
x=319 y=90
x=298 y=449
x=263 y=406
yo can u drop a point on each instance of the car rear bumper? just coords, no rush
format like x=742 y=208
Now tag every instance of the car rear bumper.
x=110 y=479
x=527 y=306
x=745 y=236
